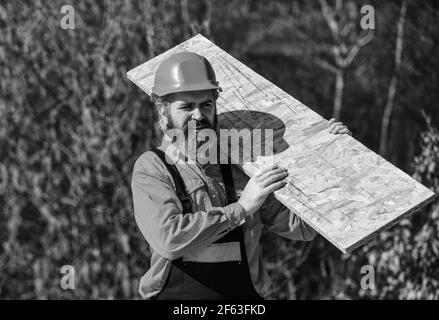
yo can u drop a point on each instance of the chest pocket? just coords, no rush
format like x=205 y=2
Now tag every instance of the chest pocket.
x=198 y=195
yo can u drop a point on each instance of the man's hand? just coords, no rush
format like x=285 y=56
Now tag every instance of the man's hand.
x=338 y=127
x=260 y=186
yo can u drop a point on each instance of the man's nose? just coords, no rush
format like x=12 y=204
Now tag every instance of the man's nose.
x=197 y=114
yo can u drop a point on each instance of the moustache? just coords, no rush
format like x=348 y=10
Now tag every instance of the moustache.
x=199 y=125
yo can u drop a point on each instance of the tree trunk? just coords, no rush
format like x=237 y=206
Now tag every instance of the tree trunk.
x=149 y=26
x=207 y=20
x=338 y=95
x=186 y=19
x=386 y=116
x=391 y=94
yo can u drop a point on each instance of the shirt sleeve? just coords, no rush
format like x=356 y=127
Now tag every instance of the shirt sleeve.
x=159 y=213
x=284 y=222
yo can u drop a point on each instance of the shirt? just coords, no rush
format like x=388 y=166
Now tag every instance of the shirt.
x=171 y=235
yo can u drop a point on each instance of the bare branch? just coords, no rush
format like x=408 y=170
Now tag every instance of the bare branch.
x=353 y=51
x=186 y=18
x=365 y=38
x=149 y=27
x=391 y=94
x=336 y=51
x=327 y=66
x=346 y=29
x=338 y=5
x=328 y=15
x=351 y=55
x=208 y=18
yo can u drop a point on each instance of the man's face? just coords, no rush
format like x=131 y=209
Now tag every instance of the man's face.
x=194 y=110
x=199 y=106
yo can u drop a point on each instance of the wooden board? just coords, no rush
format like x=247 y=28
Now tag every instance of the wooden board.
x=342 y=189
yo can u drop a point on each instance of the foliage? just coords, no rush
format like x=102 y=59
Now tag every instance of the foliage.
x=71 y=128
x=406 y=258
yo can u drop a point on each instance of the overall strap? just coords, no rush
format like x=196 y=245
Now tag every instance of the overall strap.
x=228 y=182
x=195 y=280
x=226 y=171
x=237 y=233
x=178 y=180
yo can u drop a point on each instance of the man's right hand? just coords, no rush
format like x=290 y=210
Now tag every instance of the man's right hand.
x=260 y=186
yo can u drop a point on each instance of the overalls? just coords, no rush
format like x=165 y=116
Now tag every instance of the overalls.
x=211 y=281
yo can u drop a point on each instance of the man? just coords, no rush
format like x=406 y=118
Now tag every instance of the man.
x=203 y=221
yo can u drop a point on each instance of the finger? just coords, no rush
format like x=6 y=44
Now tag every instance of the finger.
x=331 y=121
x=265 y=169
x=270 y=173
x=274 y=179
x=338 y=127
x=344 y=131
x=342 y=128
x=334 y=125
x=276 y=186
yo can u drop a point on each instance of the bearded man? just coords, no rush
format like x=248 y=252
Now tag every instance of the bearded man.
x=203 y=221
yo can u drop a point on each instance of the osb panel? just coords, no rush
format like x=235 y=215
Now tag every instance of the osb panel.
x=342 y=189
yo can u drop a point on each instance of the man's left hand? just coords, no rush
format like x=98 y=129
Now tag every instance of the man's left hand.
x=338 y=128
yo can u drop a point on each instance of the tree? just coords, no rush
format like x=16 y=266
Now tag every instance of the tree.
x=347 y=42
x=391 y=94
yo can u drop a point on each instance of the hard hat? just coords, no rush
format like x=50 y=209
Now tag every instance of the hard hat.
x=184 y=71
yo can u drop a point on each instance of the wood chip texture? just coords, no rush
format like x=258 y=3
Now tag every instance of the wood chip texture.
x=338 y=186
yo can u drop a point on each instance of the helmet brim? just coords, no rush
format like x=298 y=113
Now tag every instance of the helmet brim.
x=163 y=91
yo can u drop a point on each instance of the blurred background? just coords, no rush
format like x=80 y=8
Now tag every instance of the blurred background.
x=72 y=125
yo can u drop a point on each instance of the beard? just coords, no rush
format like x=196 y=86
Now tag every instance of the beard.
x=192 y=143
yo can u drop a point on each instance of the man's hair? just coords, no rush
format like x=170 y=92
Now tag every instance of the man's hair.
x=159 y=103
x=163 y=102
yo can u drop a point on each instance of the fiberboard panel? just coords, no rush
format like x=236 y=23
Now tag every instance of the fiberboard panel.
x=342 y=189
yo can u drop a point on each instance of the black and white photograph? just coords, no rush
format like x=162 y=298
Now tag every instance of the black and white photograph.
x=238 y=151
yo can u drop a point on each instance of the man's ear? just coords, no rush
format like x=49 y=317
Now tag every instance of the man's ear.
x=163 y=116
